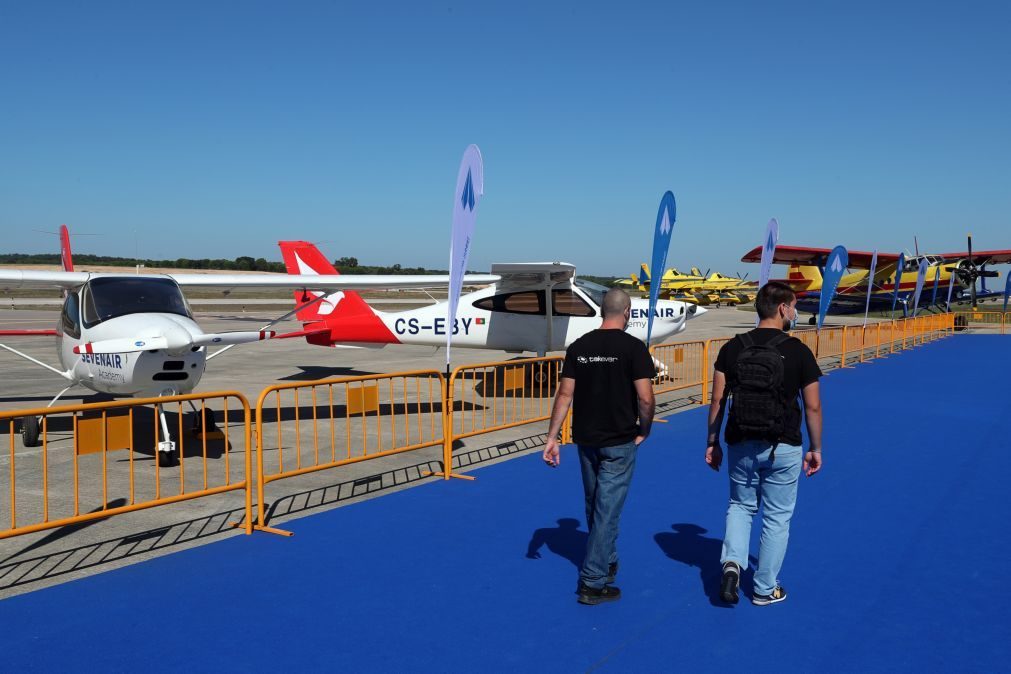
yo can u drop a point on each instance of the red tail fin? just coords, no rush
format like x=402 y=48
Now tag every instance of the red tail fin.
x=302 y=257
x=65 y=257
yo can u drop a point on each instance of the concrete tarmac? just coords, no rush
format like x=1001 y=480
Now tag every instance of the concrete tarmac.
x=32 y=561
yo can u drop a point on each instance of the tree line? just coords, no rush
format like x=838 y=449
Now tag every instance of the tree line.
x=345 y=265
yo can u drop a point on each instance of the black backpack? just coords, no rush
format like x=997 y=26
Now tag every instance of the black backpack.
x=759 y=408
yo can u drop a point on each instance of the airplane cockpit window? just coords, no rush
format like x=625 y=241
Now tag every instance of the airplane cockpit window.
x=70 y=318
x=523 y=302
x=595 y=291
x=112 y=297
x=564 y=302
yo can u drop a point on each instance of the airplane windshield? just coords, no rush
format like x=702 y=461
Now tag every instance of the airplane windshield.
x=594 y=290
x=112 y=297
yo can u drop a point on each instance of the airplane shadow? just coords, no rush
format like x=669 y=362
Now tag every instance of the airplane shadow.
x=61 y=427
x=325 y=412
x=688 y=546
x=318 y=372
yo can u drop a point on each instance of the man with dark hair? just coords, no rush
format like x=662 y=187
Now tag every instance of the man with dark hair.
x=607 y=378
x=763 y=372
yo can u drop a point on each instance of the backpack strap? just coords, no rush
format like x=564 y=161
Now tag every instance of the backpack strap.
x=778 y=339
x=746 y=339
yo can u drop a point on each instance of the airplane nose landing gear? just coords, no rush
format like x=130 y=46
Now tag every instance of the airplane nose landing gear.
x=167 y=456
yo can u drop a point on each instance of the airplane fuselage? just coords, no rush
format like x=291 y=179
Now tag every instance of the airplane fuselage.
x=514 y=321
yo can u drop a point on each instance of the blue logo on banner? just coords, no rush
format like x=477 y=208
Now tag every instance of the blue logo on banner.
x=838 y=259
x=661 y=244
x=467 y=198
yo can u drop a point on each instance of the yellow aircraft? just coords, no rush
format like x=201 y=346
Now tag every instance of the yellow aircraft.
x=851 y=295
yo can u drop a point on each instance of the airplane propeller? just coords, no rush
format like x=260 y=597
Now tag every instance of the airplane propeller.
x=968 y=272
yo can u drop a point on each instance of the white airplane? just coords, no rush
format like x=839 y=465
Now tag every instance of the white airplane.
x=134 y=334
x=515 y=314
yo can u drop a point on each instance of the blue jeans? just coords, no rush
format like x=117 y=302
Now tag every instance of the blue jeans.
x=607 y=472
x=755 y=480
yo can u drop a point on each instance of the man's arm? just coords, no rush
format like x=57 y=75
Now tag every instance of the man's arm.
x=647 y=406
x=714 y=453
x=812 y=413
x=563 y=399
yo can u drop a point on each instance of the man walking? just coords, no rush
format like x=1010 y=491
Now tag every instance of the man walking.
x=763 y=372
x=607 y=379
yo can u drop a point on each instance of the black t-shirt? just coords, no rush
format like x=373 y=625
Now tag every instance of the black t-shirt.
x=605 y=406
x=800 y=368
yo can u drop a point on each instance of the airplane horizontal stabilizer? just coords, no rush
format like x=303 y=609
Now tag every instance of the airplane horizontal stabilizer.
x=27 y=333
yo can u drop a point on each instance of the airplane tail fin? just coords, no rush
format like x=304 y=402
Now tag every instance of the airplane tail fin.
x=696 y=271
x=65 y=256
x=643 y=273
x=803 y=277
x=302 y=257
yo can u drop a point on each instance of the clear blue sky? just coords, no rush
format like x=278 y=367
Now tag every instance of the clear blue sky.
x=214 y=129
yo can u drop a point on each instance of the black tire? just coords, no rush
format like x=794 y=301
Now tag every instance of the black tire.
x=30 y=431
x=206 y=424
x=813 y=320
x=167 y=459
x=961 y=323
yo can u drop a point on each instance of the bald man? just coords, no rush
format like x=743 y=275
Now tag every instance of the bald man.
x=607 y=379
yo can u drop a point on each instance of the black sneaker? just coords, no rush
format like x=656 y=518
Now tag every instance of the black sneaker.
x=597 y=595
x=612 y=573
x=730 y=582
x=778 y=595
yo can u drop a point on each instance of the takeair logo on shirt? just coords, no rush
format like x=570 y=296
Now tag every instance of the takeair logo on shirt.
x=583 y=360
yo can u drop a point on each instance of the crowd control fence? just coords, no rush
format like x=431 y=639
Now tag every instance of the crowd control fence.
x=98 y=460
x=310 y=426
x=92 y=461
x=983 y=322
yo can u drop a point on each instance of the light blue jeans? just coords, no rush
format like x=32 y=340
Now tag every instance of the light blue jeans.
x=607 y=472
x=754 y=481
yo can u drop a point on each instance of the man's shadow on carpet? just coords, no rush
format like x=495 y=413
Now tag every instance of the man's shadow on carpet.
x=565 y=540
x=690 y=547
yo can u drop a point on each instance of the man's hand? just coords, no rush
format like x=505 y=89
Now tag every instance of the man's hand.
x=812 y=463
x=639 y=440
x=714 y=456
x=552 y=456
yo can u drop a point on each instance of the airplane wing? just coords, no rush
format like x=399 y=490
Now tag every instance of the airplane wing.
x=528 y=274
x=817 y=256
x=325 y=282
x=980 y=257
x=12 y=279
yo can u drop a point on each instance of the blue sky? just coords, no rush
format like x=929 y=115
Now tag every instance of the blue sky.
x=199 y=129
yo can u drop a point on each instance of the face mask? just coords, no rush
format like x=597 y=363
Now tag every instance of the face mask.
x=790 y=324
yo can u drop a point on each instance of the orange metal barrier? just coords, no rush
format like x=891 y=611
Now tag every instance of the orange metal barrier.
x=680 y=365
x=300 y=426
x=98 y=460
x=495 y=396
x=992 y=322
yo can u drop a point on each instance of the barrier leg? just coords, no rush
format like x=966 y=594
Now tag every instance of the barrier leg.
x=447 y=438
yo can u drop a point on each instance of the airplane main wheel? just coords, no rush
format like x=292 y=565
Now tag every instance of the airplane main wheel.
x=30 y=432
x=961 y=323
x=812 y=321
x=167 y=459
x=206 y=425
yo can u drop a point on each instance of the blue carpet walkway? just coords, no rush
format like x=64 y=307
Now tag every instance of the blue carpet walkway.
x=896 y=561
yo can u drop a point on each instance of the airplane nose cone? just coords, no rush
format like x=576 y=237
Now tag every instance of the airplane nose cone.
x=694 y=311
